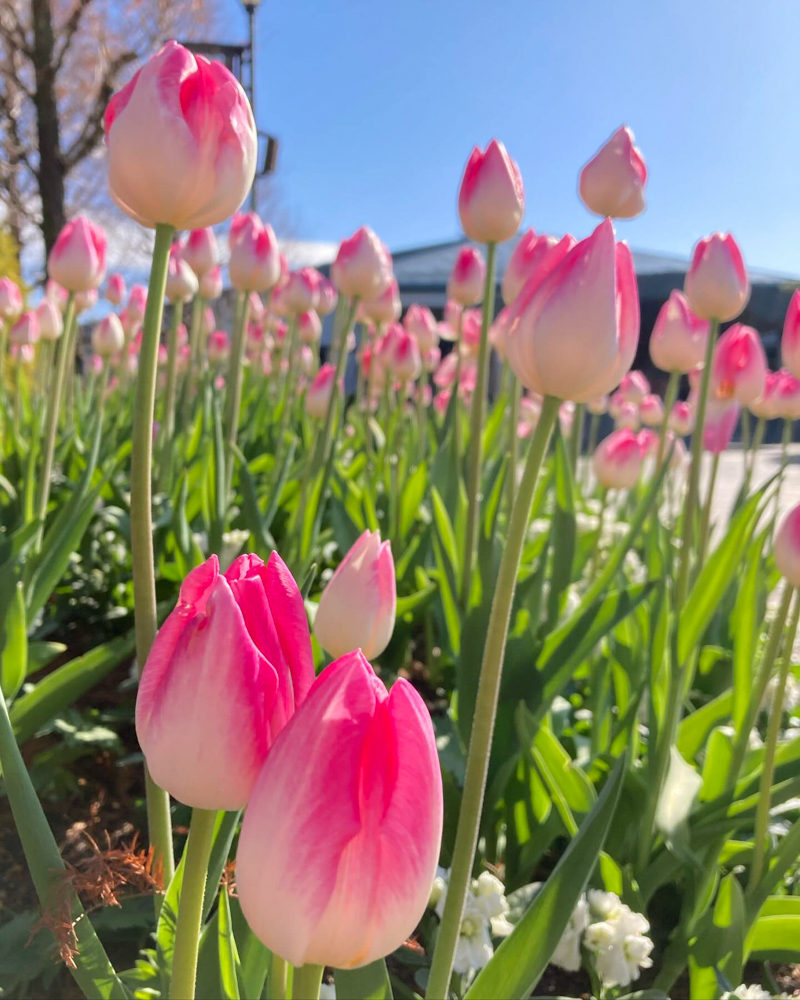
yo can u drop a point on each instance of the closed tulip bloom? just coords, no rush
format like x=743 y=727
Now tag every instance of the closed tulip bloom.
x=445 y=374
x=340 y=839
x=787 y=396
x=85 y=300
x=617 y=461
x=441 y=401
x=453 y=312
x=137 y=303
x=182 y=284
x=363 y=266
x=357 y=606
x=386 y=308
x=787 y=547
x=255 y=308
x=421 y=324
x=648 y=442
x=309 y=327
x=327 y=297
x=318 y=394
x=612 y=183
x=57 y=294
x=627 y=416
x=575 y=328
x=209 y=320
x=529 y=254
x=181 y=140
x=467 y=278
x=681 y=419
x=227 y=671
x=491 y=201
x=790 y=341
x=633 y=387
x=405 y=361
x=308 y=361
x=498 y=331
x=301 y=291
x=24 y=354
x=26 y=329
x=200 y=250
x=721 y=418
x=108 y=337
x=115 y=289
x=716 y=284
x=78 y=258
x=678 y=340
x=651 y=410
x=470 y=341
x=10 y=299
x=211 y=284
x=597 y=406
x=254 y=264
x=218 y=347
x=739 y=366
x=51 y=323
x=431 y=359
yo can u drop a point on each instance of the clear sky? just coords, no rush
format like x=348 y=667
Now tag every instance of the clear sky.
x=377 y=104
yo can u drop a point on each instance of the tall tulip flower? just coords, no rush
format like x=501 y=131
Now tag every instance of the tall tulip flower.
x=618 y=460
x=200 y=250
x=528 y=254
x=340 y=839
x=739 y=366
x=678 y=340
x=78 y=258
x=612 y=182
x=467 y=278
x=10 y=299
x=720 y=423
x=51 y=322
x=790 y=341
x=115 y=289
x=25 y=332
x=319 y=392
x=211 y=284
x=492 y=198
x=681 y=418
x=108 y=337
x=363 y=266
x=386 y=308
x=254 y=264
x=182 y=284
x=716 y=284
x=633 y=387
x=421 y=324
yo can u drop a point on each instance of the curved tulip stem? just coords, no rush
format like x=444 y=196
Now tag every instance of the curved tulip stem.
x=306 y=982
x=480 y=740
x=190 y=907
x=422 y=417
x=770 y=747
x=144 y=588
x=476 y=418
x=513 y=442
x=233 y=397
x=671 y=394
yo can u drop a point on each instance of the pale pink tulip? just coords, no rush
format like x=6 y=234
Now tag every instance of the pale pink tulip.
x=529 y=255
x=211 y=284
x=491 y=201
x=467 y=278
x=716 y=284
x=566 y=417
x=308 y=360
x=787 y=547
x=309 y=327
x=739 y=366
x=255 y=308
x=633 y=387
x=200 y=251
x=137 y=303
x=498 y=332
x=617 y=461
x=327 y=297
x=787 y=396
x=57 y=294
x=254 y=264
x=470 y=342
x=446 y=372
x=612 y=183
x=441 y=401
x=431 y=359
x=24 y=354
x=182 y=284
x=218 y=347
x=85 y=300
x=77 y=261
x=790 y=341
x=386 y=308
x=420 y=323
x=651 y=410
x=51 y=323
x=115 y=289
x=10 y=299
x=209 y=320
x=626 y=415
x=598 y=405
x=25 y=331
x=681 y=419
x=301 y=292
x=108 y=337
x=452 y=319
x=678 y=340
x=648 y=442
x=721 y=418
x=405 y=362
x=319 y=392
x=363 y=266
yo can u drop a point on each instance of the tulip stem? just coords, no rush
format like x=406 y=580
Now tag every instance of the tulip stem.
x=576 y=437
x=785 y=439
x=486 y=707
x=476 y=418
x=144 y=588
x=191 y=375
x=422 y=417
x=758 y=440
x=513 y=442
x=671 y=394
x=768 y=768
x=705 y=523
x=306 y=982
x=233 y=399
x=454 y=391
x=190 y=907
x=278 y=978
x=168 y=424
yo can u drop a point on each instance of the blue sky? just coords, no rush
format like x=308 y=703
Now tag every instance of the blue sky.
x=378 y=104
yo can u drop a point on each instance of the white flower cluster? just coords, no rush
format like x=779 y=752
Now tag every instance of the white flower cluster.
x=613 y=932
x=753 y=992
x=484 y=915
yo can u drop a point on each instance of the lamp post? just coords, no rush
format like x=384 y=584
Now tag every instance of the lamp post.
x=250 y=6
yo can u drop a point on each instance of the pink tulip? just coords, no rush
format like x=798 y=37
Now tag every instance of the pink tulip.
x=598 y=405
x=218 y=347
x=255 y=308
x=566 y=417
x=469 y=377
x=617 y=461
x=301 y=291
x=182 y=284
x=529 y=255
x=574 y=330
x=431 y=359
x=612 y=182
x=651 y=410
x=78 y=258
x=181 y=140
x=209 y=321
x=787 y=396
x=340 y=840
x=25 y=330
x=319 y=392
x=137 y=303
x=681 y=419
x=254 y=264
x=96 y=365
x=633 y=387
x=467 y=278
x=183 y=359
x=420 y=323
x=739 y=366
x=327 y=297
x=678 y=340
x=309 y=327
x=386 y=308
x=453 y=312
x=56 y=294
x=471 y=321
x=10 y=299
x=51 y=323
x=648 y=442
x=226 y=673
x=721 y=418
x=115 y=289
x=680 y=455
x=363 y=266
x=211 y=284
x=716 y=284
x=790 y=341
x=441 y=401
x=787 y=547
x=405 y=362
x=627 y=416
x=491 y=201
x=108 y=337
x=85 y=300
x=308 y=361
x=24 y=354
x=530 y=409
x=200 y=251
x=446 y=372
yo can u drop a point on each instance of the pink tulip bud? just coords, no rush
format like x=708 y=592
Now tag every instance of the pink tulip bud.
x=790 y=342
x=182 y=335
x=218 y=348
x=787 y=396
x=96 y=364
x=766 y=407
x=183 y=359
x=420 y=323
x=612 y=182
x=452 y=318
x=633 y=387
x=301 y=291
x=25 y=330
x=115 y=289
x=254 y=264
x=598 y=405
x=491 y=201
x=51 y=324
x=681 y=419
x=721 y=418
x=200 y=251
x=471 y=321
x=651 y=410
x=181 y=140
x=566 y=418
x=739 y=366
x=363 y=266
x=227 y=671
x=211 y=284
x=716 y=283
x=309 y=327
x=182 y=284
x=678 y=340
x=57 y=294
x=209 y=321
x=529 y=255
x=405 y=361
x=498 y=332
x=85 y=300
x=78 y=258
x=648 y=442
x=441 y=401
x=318 y=394
x=626 y=415
x=467 y=277
x=431 y=359
x=617 y=461
x=108 y=337
x=446 y=372
x=10 y=299
x=787 y=547
x=340 y=840
x=137 y=304
x=386 y=308
x=24 y=354
x=327 y=297
x=308 y=361
x=574 y=329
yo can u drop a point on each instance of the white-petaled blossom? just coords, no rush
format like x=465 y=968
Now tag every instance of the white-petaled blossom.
x=484 y=917
x=752 y=992
x=474 y=948
x=568 y=950
x=618 y=938
x=791 y=695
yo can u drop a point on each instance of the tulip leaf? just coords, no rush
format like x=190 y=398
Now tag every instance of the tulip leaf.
x=412 y=497
x=370 y=982
x=444 y=529
x=719 y=945
x=776 y=937
x=745 y=623
x=695 y=727
x=229 y=967
x=563 y=532
x=224 y=831
x=13 y=638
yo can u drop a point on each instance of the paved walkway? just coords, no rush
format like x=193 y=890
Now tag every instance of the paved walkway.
x=729 y=477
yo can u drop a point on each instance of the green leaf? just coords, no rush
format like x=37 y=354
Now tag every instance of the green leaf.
x=775 y=938
x=719 y=946
x=444 y=529
x=40 y=654
x=412 y=497
x=224 y=831
x=252 y=513
x=229 y=968
x=563 y=532
x=745 y=633
x=13 y=642
x=370 y=982
x=447 y=592
x=696 y=726
x=168 y=923
x=414 y=601
x=521 y=959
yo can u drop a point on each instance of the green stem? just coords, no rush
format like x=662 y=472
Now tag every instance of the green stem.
x=278 y=978
x=486 y=708
x=705 y=523
x=144 y=588
x=328 y=435
x=306 y=982
x=600 y=524
x=422 y=417
x=576 y=437
x=190 y=907
x=770 y=748
x=785 y=440
x=168 y=419
x=746 y=438
x=233 y=399
x=190 y=378
x=476 y=418
x=454 y=390
x=4 y=328
x=292 y=351
x=513 y=443
x=758 y=440
x=671 y=394
x=690 y=503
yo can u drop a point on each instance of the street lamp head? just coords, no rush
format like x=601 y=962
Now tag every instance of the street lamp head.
x=250 y=5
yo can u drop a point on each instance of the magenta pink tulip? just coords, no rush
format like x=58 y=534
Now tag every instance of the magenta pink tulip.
x=790 y=341
x=309 y=327
x=787 y=396
x=405 y=361
x=254 y=264
x=445 y=374
x=200 y=251
x=78 y=258
x=182 y=284
x=386 y=308
x=363 y=266
x=115 y=289
x=722 y=416
x=421 y=324
x=529 y=254
x=716 y=284
x=678 y=340
x=612 y=183
x=25 y=331
x=211 y=284
x=651 y=410
x=617 y=461
x=137 y=304
x=633 y=387
x=648 y=442
x=218 y=347
x=181 y=140
x=10 y=299
x=681 y=419
x=470 y=341
x=574 y=328
x=739 y=366
x=51 y=323
x=340 y=840
x=441 y=401
x=108 y=337
x=318 y=394
x=227 y=671
x=787 y=547
x=491 y=201
x=467 y=278
x=327 y=297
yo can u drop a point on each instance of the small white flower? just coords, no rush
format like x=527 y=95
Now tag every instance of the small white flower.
x=618 y=939
x=603 y=905
x=568 y=950
x=753 y=992
x=474 y=948
x=487 y=890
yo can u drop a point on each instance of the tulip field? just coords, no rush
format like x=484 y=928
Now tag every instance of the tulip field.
x=415 y=660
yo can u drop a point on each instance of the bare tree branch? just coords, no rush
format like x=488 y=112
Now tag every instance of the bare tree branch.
x=92 y=130
x=68 y=32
